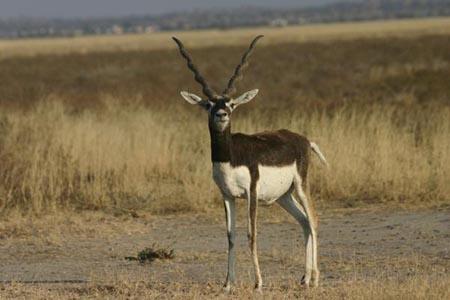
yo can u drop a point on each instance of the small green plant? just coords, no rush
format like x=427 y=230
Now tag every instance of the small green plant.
x=149 y=254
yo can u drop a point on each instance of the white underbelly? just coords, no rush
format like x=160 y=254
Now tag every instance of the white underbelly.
x=274 y=182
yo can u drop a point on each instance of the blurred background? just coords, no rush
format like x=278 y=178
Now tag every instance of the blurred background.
x=50 y=18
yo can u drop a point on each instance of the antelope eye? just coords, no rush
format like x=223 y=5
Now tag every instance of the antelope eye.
x=232 y=105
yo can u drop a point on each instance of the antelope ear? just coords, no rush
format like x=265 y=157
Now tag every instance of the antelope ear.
x=245 y=97
x=194 y=99
x=191 y=98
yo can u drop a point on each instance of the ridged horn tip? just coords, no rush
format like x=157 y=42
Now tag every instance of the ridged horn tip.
x=176 y=40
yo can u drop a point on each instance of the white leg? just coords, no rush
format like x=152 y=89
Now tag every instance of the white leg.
x=252 y=212
x=300 y=194
x=296 y=210
x=230 y=215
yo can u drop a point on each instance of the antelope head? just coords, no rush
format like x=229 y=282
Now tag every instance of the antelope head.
x=218 y=106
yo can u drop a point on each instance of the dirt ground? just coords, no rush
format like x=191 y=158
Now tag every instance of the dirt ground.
x=353 y=245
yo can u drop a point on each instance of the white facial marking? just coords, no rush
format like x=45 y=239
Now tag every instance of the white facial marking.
x=221 y=119
x=232 y=181
x=230 y=107
x=221 y=113
x=274 y=182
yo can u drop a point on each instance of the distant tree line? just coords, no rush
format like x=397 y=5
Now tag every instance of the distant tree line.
x=225 y=18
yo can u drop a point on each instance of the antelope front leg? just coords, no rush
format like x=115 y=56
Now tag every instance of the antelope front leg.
x=252 y=210
x=229 y=204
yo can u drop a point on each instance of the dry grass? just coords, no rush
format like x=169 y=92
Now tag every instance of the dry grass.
x=56 y=227
x=134 y=158
x=418 y=286
x=324 y=32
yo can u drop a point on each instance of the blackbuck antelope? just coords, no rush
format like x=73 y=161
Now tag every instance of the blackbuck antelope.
x=268 y=166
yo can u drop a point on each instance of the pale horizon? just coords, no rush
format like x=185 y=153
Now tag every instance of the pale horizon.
x=117 y=8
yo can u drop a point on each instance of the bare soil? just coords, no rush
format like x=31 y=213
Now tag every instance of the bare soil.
x=352 y=245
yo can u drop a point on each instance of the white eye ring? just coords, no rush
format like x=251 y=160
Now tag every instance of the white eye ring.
x=230 y=106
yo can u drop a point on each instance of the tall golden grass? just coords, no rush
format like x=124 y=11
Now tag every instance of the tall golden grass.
x=132 y=157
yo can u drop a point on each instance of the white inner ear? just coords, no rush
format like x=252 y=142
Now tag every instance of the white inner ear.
x=245 y=97
x=191 y=98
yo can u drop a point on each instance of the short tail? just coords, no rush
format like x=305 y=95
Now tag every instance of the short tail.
x=316 y=150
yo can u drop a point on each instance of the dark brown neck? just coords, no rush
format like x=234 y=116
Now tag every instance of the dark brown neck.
x=220 y=144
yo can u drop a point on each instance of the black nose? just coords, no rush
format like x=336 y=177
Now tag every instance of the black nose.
x=221 y=115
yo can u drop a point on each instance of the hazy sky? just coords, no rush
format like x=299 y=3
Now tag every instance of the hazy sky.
x=89 y=8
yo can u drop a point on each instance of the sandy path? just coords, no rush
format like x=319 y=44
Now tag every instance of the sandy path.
x=357 y=244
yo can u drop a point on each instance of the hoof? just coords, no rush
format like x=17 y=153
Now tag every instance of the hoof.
x=304 y=282
x=315 y=278
x=227 y=288
x=258 y=289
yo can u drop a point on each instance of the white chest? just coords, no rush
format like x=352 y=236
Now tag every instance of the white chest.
x=232 y=181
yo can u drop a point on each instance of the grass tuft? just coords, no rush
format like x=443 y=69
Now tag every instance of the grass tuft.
x=152 y=253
